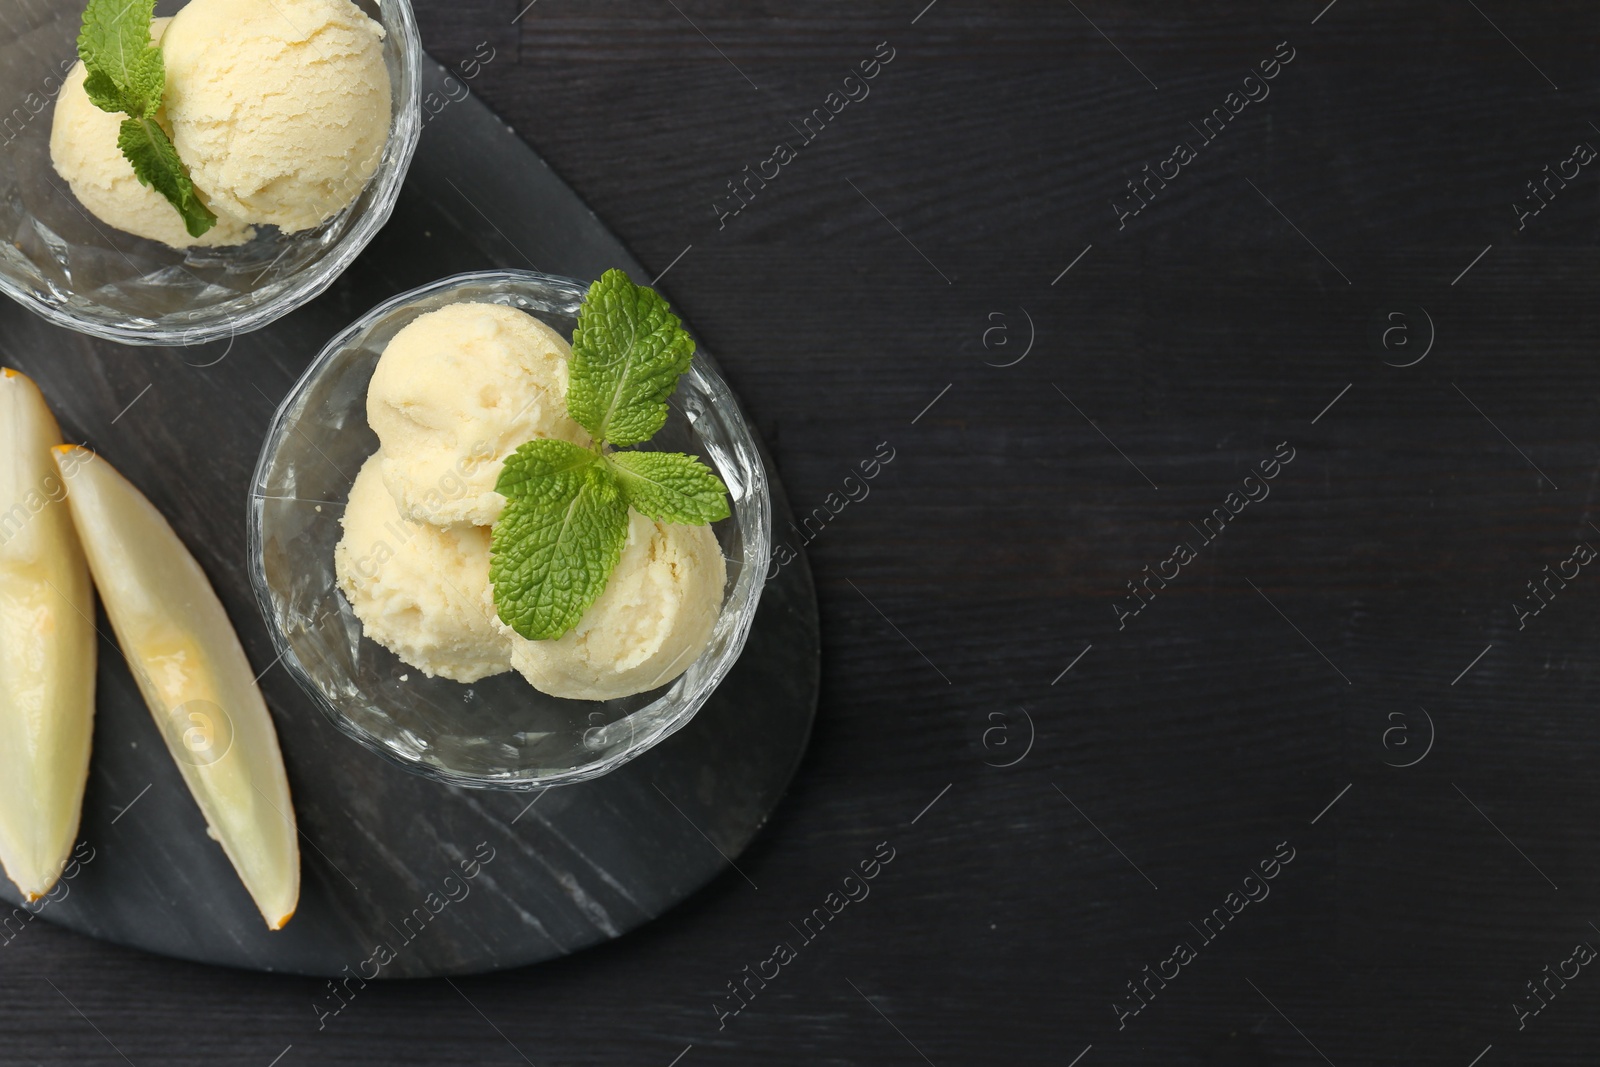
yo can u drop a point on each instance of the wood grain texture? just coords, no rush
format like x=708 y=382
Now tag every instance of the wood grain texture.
x=1212 y=727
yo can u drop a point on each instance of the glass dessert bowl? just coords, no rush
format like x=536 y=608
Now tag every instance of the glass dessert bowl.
x=61 y=261
x=496 y=732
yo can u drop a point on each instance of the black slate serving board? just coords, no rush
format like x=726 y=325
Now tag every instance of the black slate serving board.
x=401 y=876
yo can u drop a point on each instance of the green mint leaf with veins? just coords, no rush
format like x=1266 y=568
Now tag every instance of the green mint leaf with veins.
x=628 y=351
x=554 y=547
x=156 y=163
x=113 y=43
x=670 y=487
x=124 y=73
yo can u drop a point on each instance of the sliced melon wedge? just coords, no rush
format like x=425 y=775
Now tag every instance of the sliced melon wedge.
x=47 y=648
x=194 y=676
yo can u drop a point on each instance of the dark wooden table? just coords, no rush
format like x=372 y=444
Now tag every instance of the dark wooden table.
x=1323 y=390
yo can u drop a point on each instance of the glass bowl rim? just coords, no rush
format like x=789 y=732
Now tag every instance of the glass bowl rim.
x=314 y=280
x=745 y=596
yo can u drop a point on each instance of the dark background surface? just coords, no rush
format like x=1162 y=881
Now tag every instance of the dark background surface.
x=1377 y=580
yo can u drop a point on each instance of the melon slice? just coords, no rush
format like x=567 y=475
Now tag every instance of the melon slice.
x=194 y=676
x=47 y=648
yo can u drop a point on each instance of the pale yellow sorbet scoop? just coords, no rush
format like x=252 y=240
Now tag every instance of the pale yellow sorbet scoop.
x=418 y=590
x=279 y=108
x=457 y=391
x=653 y=620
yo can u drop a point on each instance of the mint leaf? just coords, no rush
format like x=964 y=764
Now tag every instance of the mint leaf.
x=670 y=487
x=105 y=94
x=125 y=73
x=628 y=351
x=156 y=164
x=544 y=471
x=147 y=81
x=113 y=42
x=554 y=547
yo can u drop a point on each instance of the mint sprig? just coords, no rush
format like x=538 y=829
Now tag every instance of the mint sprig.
x=556 y=543
x=125 y=74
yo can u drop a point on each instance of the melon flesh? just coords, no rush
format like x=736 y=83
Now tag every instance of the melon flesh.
x=194 y=677
x=47 y=648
